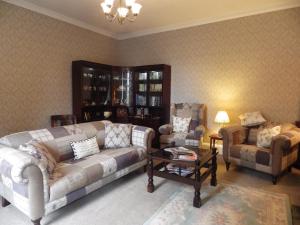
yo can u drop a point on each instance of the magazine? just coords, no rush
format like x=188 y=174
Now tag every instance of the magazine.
x=182 y=153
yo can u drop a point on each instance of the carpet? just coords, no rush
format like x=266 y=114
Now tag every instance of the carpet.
x=126 y=202
x=225 y=205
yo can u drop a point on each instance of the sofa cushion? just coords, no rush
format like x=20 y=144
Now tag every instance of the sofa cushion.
x=85 y=148
x=72 y=175
x=250 y=155
x=117 y=135
x=40 y=152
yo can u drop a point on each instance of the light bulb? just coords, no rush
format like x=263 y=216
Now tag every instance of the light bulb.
x=122 y=11
x=129 y=3
x=136 y=8
x=109 y=3
x=106 y=9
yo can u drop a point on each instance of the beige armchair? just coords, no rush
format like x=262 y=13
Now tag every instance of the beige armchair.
x=196 y=128
x=239 y=147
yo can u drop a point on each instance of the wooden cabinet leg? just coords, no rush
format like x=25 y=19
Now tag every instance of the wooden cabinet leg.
x=36 y=222
x=274 y=179
x=150 y=187
x=227 y=165
x=4 y=202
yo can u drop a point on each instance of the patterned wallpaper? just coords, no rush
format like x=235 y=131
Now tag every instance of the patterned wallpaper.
x=36 y=52
x=240 y=65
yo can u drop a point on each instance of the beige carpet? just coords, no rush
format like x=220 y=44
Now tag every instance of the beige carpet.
x=126 y=201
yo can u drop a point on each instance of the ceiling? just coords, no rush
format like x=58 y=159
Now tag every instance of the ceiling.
x=156 y=15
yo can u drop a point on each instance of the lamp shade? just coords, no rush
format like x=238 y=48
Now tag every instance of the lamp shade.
x=222 y=117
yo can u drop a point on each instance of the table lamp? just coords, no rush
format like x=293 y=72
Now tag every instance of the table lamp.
x=222 y=118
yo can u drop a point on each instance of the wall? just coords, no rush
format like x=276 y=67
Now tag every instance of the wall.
x=240 y=65
x=36 y=52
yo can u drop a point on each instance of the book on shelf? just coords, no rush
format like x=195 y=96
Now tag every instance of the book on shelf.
x=182 y=153
x=182 y=171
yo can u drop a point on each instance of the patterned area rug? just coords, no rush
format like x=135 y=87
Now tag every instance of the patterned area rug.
x=225 y=205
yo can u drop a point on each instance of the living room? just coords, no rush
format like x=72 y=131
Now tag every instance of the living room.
x=233 y=57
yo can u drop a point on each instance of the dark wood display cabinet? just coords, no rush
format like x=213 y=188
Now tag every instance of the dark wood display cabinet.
x=138 y=95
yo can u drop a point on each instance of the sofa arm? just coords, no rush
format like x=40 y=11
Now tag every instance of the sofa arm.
x=282 y=144
x=142 y=136
x=231 y=135
x=166 y=129
x=24 y=178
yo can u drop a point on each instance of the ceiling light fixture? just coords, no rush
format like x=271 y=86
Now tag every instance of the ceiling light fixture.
x=124 y=10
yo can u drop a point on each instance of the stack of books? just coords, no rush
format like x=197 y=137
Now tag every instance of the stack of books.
x=183 y=154
x=173 y=168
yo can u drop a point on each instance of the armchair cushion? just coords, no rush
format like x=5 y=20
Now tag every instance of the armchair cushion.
x=265 y=136
x=252 y=119
x=165 y=129
x=181 y=124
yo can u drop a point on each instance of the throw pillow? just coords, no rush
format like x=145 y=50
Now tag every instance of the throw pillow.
x=252 y=119
x=265 y=136
x=181 y=124
x=85 y=148
x=40 y=151
x=117 y=135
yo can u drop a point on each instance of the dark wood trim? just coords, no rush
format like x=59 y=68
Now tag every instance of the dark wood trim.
x=4 y=202
x=36 y=222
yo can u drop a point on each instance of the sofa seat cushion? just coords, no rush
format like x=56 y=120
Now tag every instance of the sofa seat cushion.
x=72 y=175
x=251 y=155
x=178 y=138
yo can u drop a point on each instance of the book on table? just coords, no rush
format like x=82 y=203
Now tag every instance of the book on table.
x=182 y=153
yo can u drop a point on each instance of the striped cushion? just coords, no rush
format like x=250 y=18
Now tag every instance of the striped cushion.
x=85 y=148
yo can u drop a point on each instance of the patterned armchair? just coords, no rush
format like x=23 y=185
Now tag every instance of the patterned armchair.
x=239 y=147
x=196 y=128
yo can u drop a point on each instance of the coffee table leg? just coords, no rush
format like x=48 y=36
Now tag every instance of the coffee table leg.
x=213 y=181
x=150 y=187
x=197 y=186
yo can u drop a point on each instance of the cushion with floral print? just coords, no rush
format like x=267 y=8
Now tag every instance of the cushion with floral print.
x=181 y=124
x=252 y=119
x=265 y=136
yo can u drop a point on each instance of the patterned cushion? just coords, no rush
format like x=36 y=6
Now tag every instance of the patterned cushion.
x=141 y=136
x=117 y=135
x=181 y=124
x=85 y=148
x=265 y=136
x=40 y=152
x=252 y=119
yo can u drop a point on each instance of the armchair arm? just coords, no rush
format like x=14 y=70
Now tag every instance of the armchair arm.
x=142 y=136
x=231 y=135
x=283 y=143
x=165 y=129
x=24 y=181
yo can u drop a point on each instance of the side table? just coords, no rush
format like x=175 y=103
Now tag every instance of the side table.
x=213 y=138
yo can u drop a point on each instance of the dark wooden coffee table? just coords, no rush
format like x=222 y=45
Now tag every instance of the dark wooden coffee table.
x=206 y=160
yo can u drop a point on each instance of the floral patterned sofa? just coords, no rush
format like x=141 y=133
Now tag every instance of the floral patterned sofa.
x=240 y=147
x=27 y=185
